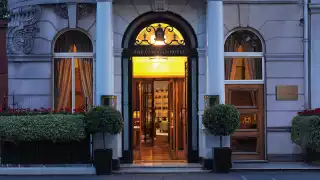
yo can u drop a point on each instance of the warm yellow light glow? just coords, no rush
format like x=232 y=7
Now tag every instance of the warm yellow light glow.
x=168 y=35
x=157 y=43
x=158 y=67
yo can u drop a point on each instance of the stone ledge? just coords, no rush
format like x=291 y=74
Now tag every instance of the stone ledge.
x=47 y=171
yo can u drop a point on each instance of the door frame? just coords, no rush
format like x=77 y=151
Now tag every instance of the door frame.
x=192 y=122
x=261 y=137
x=189 y=51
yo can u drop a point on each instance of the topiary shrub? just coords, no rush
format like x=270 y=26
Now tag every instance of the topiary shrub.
x=221 y=120
x=52 y=127
x=104 y=119
x=311 y=133
x=298 y=123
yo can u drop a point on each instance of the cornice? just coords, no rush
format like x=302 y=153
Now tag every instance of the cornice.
x=314 y=8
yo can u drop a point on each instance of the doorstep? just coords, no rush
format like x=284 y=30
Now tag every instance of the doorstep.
x=159 y=168
x=274 y=166
x=62 y=169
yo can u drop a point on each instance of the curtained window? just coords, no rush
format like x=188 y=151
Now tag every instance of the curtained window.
x=73 y=71
x=244 y=61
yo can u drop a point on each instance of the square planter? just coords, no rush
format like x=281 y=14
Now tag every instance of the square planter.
x=222 y=159
x=103 y=161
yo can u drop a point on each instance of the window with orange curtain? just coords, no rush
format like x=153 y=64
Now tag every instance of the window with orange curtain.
x=70 y=68
x=242 y=67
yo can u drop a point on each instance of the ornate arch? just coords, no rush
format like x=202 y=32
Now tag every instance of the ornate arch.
x=148 y=18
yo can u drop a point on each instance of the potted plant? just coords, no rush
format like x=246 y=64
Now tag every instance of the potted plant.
x=221 y=120
x=104 y=123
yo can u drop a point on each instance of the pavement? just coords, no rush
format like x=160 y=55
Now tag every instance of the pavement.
x=156 y=169
x=194 y=176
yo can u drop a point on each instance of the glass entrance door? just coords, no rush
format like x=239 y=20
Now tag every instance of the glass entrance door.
x=160 y=121
x=177 y=119
x=171 y=115
x=147 y=113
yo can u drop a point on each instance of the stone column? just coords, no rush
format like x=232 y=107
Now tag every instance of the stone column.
x=215 y=90
x=105 y=72
x=104 y=50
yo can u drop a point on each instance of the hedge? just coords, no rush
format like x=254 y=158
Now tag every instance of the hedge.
x=306 y=131
x=53 y=127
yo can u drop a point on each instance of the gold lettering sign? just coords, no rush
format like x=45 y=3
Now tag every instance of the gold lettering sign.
x=287 y=93
x=159 y=52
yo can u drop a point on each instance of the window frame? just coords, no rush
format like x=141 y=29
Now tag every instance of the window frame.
x=246 y=55
x=72 y=56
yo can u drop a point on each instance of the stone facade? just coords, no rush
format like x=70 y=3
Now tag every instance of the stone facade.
x=37 y=23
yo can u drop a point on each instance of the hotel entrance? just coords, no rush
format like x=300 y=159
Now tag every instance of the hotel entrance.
x=160 y=90
x=160 y=109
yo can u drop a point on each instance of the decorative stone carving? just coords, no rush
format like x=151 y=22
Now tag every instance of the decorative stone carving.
x=22 y=28
x=159 y=5
x=84 y=10
x=61 y=10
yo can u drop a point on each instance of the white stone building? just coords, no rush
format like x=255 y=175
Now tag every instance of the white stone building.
x=68 y=53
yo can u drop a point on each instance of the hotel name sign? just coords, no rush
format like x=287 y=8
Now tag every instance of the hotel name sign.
x=159 y=51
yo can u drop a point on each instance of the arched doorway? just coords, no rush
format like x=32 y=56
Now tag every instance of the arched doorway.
x=160 y=103
x=244 y=79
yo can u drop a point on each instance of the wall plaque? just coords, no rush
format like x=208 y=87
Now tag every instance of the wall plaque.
x=287 y=93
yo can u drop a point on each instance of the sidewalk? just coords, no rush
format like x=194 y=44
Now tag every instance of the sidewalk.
x=164 y=169
x=275 y=166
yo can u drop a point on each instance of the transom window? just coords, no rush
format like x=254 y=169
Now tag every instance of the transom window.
x=244 y=58
x=159 y=34
x=73 y=71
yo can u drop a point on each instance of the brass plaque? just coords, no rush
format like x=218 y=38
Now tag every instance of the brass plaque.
x=287 y=93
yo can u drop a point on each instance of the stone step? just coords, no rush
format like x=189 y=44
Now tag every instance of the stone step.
x=158 y=168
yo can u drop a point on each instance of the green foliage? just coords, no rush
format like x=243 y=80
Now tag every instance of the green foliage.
x=53 y=127
x=298 y=123
x=104 y=119
x=221 y=119
x=306 y=131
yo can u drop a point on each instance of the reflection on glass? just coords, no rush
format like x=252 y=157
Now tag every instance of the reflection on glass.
x=248 y=40
x=243 y=68
x=243 y=98
x=244 y=144
x=248 y=121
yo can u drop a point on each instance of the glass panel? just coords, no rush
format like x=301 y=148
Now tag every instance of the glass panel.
x=248 y=121
x=244 y=98
x=159 y=34
x=243 y=68
x=63 y=83
x=83 y=83
x=243 y=41
x=244 y=144
x=73 y=41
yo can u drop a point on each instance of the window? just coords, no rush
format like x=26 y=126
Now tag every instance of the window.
x=73 y=71
x=244 y=79
x=243 y=57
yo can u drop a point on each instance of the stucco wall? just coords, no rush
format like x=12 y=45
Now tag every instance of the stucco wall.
x=315 y=54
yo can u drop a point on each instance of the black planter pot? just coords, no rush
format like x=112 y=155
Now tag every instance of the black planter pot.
x=222 y=159
x=311 y=155
x=103 y=161
x=45 y=152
